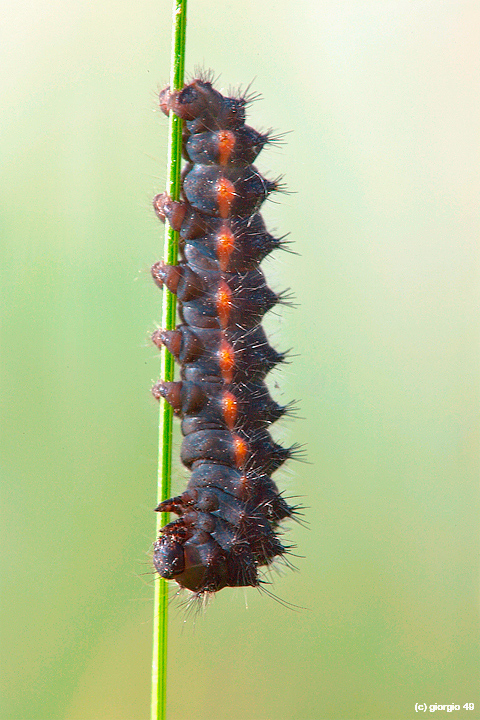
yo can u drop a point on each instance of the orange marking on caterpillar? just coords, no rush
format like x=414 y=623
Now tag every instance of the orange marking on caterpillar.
x=240 y=450
x=230 y=409
x=225 y=195
x=226 y=361
x=225 y=244
x=224 y=303
x=226 y=143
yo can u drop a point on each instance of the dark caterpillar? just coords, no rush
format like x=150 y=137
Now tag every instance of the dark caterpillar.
x=230 y=512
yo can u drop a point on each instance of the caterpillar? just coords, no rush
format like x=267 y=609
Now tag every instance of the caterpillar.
x=230 y=513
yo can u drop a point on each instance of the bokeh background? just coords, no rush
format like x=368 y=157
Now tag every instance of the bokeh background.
x=381 y=98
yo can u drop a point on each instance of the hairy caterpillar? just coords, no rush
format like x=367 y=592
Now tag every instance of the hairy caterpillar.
x=229 y=515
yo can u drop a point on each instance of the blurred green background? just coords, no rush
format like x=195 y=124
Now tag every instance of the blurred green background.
x=381 y=99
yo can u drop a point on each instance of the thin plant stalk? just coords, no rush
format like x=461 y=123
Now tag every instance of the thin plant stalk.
x=160 y=621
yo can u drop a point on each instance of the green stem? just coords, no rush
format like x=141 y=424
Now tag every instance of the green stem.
x=160 y=622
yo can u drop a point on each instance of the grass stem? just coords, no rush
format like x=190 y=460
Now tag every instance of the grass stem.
x=160 y=622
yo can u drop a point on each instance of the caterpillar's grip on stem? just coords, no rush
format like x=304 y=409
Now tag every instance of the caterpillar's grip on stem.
x=228 y=517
